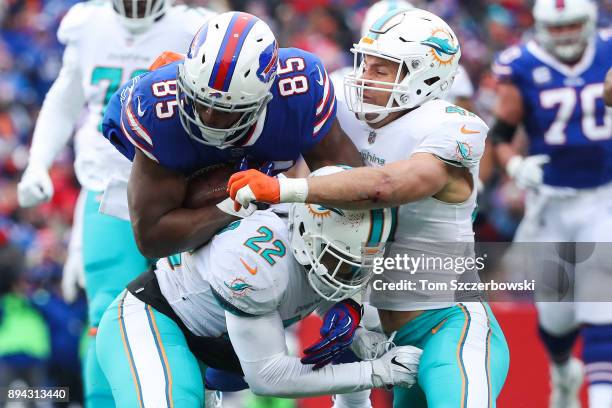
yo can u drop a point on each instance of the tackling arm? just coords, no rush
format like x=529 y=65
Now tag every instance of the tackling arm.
x=422 y=175
x=161 y=225
x=260 y=345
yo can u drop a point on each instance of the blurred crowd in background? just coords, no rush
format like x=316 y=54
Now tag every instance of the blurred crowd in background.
x=40 y=334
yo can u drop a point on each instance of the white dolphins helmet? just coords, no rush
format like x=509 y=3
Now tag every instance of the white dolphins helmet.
x=230 y=67
x=321 y=236
x=551 y=14
x=379 y=9
x=427 y=53
x=138 y=15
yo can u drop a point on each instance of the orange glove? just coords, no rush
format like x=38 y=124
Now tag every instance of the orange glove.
x=165 y=58
x=252 y=185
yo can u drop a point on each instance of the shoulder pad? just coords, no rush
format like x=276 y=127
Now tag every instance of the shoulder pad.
x=78 y=19
x=457 y=136
x=191 y=18
x=505 y=63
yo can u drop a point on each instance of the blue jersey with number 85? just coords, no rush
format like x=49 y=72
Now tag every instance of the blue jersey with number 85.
x=144 y=115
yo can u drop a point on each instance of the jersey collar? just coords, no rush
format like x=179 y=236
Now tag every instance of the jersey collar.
x=570 y=71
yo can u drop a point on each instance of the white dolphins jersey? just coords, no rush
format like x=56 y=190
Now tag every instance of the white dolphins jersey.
x=454 y=135
x=427 y=226
x=108 y=56
x=247 y=268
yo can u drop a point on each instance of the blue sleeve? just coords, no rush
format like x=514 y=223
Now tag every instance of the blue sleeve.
x=323 y=100
x=306 y=93
x=137 y=117
x=111 y=124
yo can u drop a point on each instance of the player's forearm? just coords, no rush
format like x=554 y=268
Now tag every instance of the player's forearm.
x=59 y=113
x=260 y=345
x=285 y=376
x=178 y=230
x=369 y=187
x=504 y=152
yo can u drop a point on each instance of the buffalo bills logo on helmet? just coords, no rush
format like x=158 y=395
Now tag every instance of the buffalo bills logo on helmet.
x=268 y=60
x=197 y=41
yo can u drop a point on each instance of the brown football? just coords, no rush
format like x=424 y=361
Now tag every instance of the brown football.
x=207 y=186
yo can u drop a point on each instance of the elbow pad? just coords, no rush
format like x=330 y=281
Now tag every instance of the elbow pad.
x=502 y=132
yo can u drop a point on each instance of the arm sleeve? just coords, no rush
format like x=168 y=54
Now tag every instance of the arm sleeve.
x=60 y=111
x=323 y=100
x=111 y=124
x=260 y=345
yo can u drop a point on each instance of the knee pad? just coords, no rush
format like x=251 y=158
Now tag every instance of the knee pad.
x=597 y=353
x=557 y=318
x=559 y=347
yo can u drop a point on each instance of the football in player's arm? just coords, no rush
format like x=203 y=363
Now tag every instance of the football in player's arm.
x=250 y=292
x=227 y=110
x=425 y=154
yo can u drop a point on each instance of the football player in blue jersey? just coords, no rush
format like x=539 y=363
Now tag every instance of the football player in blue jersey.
x=553 y=85
x=235 y=95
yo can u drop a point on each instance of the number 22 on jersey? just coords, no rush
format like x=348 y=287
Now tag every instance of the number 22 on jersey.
x=254 y=243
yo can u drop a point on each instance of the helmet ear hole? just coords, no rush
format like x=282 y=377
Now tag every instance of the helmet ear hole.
x=432 y=80
x=301 y=229
x=246 y=74
x=203 y=58
x=418 y=91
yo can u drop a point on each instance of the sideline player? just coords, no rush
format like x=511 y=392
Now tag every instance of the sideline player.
x=107 y=43
x=236 y=94
x=553 y=85
x=424 y=154
x=254 y=278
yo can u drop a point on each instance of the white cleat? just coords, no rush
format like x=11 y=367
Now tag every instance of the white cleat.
x=566 y=381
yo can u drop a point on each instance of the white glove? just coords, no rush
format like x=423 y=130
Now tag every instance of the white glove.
x=399 y=366
x=35 y=186
x=227 y=206
x=73 y=277
x=369 y=345
x=527 y=171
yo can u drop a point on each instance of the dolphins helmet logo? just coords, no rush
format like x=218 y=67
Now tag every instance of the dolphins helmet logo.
x=443 y=46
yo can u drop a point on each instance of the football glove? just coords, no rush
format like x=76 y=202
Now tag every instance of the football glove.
x=35 y=186
x=252 y=185
x=399 y=366
x=527 y=171
x=339 y=325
